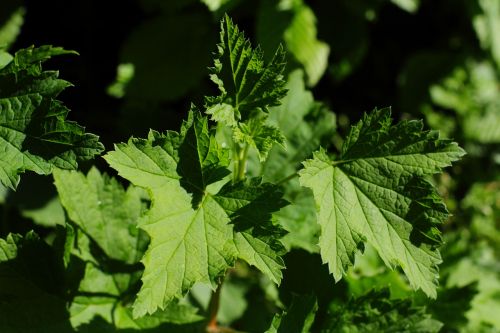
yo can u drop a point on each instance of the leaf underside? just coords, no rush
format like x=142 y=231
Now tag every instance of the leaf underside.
x=377 y=192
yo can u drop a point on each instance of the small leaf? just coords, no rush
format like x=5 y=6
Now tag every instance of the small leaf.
x=244 y=80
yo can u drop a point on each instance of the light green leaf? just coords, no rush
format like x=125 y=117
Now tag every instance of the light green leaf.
x=482 y=203
x=105 y=211
x=304 y=123
x=487 y=25
x=472 y=92
x=34 y=132
x=259 y=135
x=376 y=192
x=244 y=80
x=214 y=5
x=294 y=23
x=469 y=260
x=222 y=113
x=102 y=294
x=191 y=241
x=191 y=229
x=11 y=29
x=5 y=59
x=410 y=6
x=50 y=215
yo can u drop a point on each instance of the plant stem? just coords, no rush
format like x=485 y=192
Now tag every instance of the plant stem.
x=287 y=178
x=213 y=309
x=243 y=162
x=240 y=155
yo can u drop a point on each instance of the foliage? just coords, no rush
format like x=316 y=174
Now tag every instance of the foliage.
x=263 y=211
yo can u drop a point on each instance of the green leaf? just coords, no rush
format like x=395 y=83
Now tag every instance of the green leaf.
x=257 y=243
x=244 y=80
x=376 y=192
x=298 y=318
x=103 y=293
x=11 y=29
x=487 y=24
x=36 y=199
x=31 y=287
x=410 y=6
x=472 y=261
x=188 y=243
x=452 y=305
x=203 y=162
x=375 y=312
x=259 y=135
x=294 y=23
x=472 y=92
x=191 y=229
x=214 y=5
x=5 y=59
x=304 y=123
x=482 y=203
x=105 y=211
x=34 y=132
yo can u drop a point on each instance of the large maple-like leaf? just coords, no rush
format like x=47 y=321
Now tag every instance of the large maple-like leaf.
x=376 y=192
x=192 y=234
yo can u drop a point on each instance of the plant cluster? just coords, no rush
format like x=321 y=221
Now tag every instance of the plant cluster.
x=196 y=231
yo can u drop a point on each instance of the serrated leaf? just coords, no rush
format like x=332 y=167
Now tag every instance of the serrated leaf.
x=190 y=241
x=101 y=293
x=376 y=312
x=256 y=133
x=34 y=132
x=257 y=243
x=376 y=192
x=106 y=212
x=304 y=123
x=244 y=80
x=192 y=237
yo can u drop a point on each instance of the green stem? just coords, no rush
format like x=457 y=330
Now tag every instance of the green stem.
x=236 y=162
x=243 y=162
x=287 y=178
